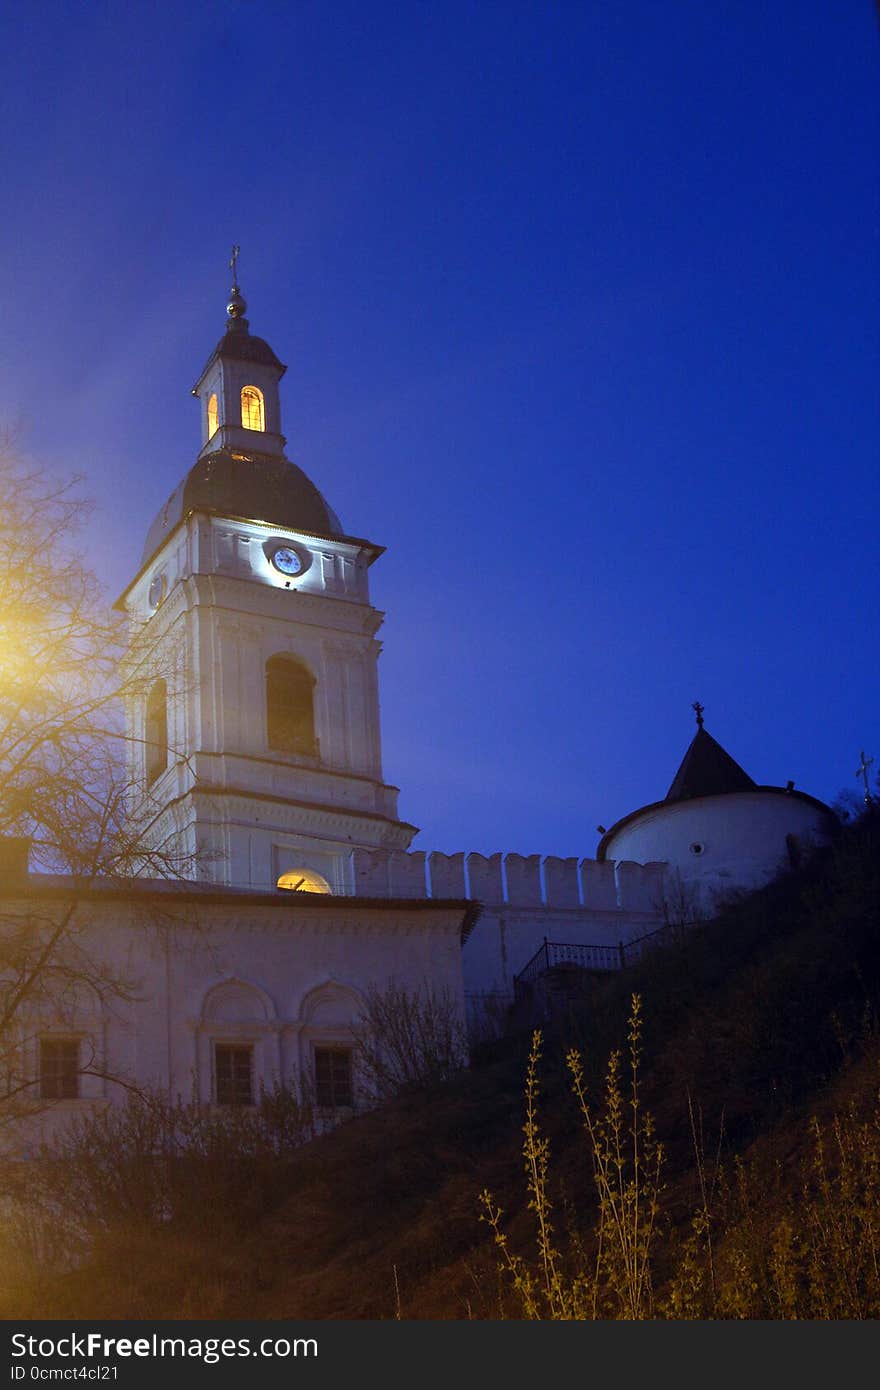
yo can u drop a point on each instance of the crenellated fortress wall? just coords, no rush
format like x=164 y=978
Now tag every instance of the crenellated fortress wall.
x=525 y=899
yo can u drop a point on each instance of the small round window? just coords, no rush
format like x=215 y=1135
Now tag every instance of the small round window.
x=157 y=590
x=698 y=847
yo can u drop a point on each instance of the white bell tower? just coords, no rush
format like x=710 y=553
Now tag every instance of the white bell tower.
x=255 y=743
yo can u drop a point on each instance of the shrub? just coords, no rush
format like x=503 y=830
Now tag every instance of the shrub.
x=408 y=1038
x=152 y=1163
x=627 y=1163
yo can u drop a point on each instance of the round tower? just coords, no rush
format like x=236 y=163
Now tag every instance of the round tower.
x=717 y=829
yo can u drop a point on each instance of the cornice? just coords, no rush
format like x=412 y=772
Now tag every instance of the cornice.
x=224 y=592
x=348 y=821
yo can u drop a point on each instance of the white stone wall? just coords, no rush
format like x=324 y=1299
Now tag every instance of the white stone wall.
x=524 y=900
x=281 y=976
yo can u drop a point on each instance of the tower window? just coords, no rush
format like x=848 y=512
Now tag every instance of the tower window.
x=290 y=711
x=156 y=731
x=213 y=415
x=333 y=1082
x=59 y=1068
x=303 y=881
x=233 y=1073
x=252 y=414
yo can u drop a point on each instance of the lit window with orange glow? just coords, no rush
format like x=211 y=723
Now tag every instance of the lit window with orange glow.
x=213 y=415
x=252 y=417
x=303 y=881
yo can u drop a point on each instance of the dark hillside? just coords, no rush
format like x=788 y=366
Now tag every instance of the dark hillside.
x=764 y=1017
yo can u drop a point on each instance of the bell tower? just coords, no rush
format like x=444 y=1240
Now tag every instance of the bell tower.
x=254 y=734
x=238 y=387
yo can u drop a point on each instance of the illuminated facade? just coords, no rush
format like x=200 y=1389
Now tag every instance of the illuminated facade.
x=253 y=603
x=255 y=752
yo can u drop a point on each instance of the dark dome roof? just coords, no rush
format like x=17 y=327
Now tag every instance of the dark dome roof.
x=260 y=487
x=239 y=343
x=248 y=348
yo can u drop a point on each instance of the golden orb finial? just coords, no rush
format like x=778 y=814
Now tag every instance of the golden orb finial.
x=236 y=306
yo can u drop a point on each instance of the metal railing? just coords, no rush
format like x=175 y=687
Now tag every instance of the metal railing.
x=581 y=955
x=587 y=956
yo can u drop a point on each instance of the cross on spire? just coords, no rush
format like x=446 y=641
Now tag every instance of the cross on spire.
x=237 y=305
x=698 y=710
x=862 y=771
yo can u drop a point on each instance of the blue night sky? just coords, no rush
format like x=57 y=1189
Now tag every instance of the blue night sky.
x=579 y=303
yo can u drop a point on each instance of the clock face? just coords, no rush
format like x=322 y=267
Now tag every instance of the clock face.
x=286 y=560
x=157 y=590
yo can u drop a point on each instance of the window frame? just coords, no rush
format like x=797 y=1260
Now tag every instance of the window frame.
x=229 y=1046
x=260 y=401
x=331 y=1050
x=156 y=748
x=62 y=1075
x=279 y=712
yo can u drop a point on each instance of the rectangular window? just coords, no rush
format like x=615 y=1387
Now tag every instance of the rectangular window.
x=328 y=569
x=333 y=1088
x=59 y=1068
x=233 y=1070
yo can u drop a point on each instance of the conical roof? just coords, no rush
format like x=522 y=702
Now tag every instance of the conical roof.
x=707 y=770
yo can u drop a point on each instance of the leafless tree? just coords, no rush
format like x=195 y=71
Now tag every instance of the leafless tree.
x=408 y=1037
x=64 y=784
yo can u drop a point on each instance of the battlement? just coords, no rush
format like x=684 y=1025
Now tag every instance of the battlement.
x=510 y=880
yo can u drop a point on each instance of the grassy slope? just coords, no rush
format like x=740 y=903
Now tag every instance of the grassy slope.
x=768 y=1015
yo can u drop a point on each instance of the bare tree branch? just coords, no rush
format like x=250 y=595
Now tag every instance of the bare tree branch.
x=65 y=785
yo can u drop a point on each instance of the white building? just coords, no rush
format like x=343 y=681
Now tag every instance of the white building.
x=213 y=993
x=716 y=830
x=259 y=747
x=256 y=752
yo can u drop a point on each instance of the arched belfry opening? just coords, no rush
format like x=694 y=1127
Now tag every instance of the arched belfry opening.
x=290 y=706
x=253 y=411
x=156 y=731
